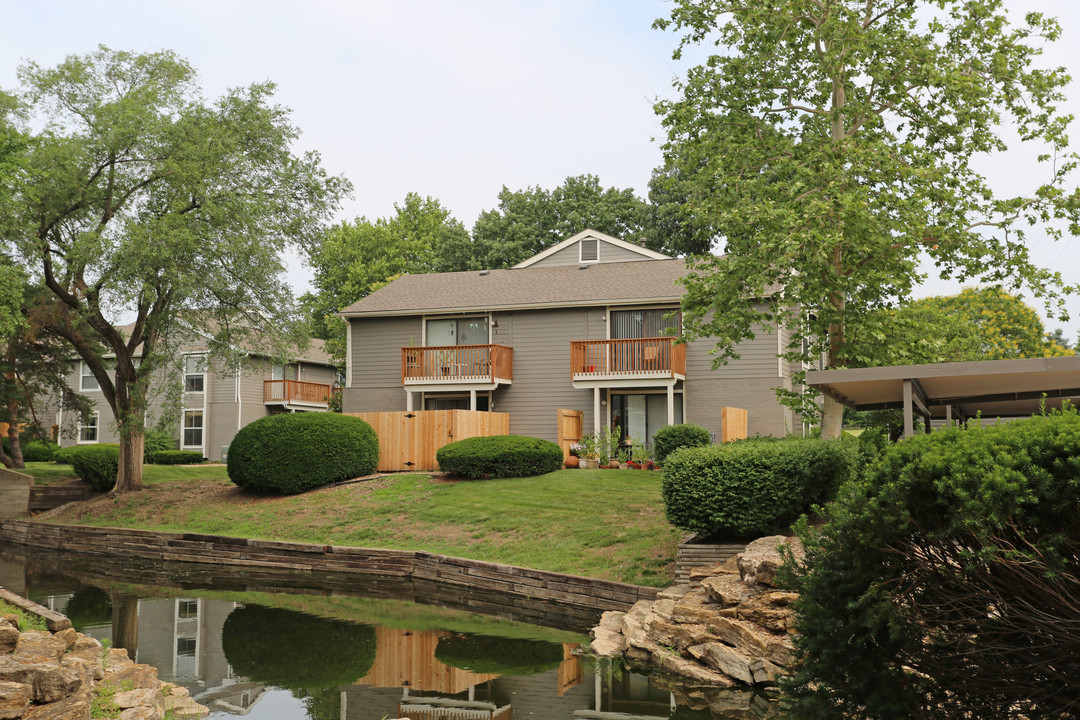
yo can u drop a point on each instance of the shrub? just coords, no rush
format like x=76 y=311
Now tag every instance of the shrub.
x=958 y=555
x=499 y=456
x=89 y=605
x=753 y=487
x=155 y=441
x=38 y=450
x=292 y=650
x=63 y=455
x=176 y=457
x=503 y=656
x=96 y=464
x=670 y=438
x=292 y=453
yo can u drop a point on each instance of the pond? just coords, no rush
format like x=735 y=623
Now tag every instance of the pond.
x=276 y=645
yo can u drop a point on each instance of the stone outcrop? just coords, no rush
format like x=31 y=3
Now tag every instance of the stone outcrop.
x=57 y=675
x=732 y=626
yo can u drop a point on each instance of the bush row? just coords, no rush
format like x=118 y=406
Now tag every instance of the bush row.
x=499 y=456
x=175 y=457
x=670 y=438
x=96 y=464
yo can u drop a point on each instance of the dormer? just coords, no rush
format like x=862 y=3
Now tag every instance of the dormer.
x=590 y=247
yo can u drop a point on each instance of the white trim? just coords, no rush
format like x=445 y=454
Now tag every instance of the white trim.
x=96 y=414
x=779 y=351
x=556 y=305
x=581 y=252
x=83 y=376
x=451 y=316
x=205 y=355
x=611 y=382
x=202 y=429
x=588 y=232
x=348 y=353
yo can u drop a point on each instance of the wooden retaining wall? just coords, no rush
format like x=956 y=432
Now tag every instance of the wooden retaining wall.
x=47 y=498
x=14 y=493
x=408 y=440
x=251 y=554
x=691 y=555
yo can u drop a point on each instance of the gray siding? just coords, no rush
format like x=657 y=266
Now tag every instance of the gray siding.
x=704 y=396
x=376 y=362
x=608 y=253
x=757 y=358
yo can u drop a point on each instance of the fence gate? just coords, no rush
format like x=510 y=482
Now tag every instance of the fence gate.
x=732 y=424
x=408 y=440
x=569 y=428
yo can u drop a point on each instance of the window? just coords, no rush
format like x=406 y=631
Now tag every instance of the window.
x=590 y=250
x=627 y=324
x=193 y=428
x=442 y=402
x=457 y=331
x=283 y=372
x=87 y=381
x=88 y=428
x=187 y=609
x=194 y=373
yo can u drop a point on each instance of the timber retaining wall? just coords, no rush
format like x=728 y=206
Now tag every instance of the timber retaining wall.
x=245 y=554
x=691 y=554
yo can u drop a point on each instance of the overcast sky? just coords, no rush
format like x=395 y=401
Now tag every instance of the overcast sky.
x=450 y=98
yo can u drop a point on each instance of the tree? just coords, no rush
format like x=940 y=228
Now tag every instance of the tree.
x=354 y=259
x=531 y=220
x=138 y=197
x=830 y=145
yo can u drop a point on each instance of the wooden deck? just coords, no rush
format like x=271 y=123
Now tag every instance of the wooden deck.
x=457 y=364
x=653 y=358
x=296 y=392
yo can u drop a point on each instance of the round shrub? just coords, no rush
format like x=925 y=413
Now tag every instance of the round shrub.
x=96 y=464
x=38 y=450
x=293 y=650
x=176 y=457
x=670 y=438
x=482 y=655
x=294 y=452
x=499 y=456
x=62 y=455
x=752 y=488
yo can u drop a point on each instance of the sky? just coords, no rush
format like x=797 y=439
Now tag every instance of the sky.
x=455 y=98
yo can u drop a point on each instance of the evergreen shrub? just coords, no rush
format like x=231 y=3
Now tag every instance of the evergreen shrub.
x=155 y=441
x=499 y=456
x=750 y=488
x=484 y=655
x=956 y=554
x=176 y=457
x=97 y=464
x=670 y=438
x=62 y=455
x=294 y=452
x=38 y=450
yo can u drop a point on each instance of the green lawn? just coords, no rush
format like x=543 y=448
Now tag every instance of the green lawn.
x=48 y=473
x=599 y=523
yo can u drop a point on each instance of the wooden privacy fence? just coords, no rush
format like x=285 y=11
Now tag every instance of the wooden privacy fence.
x=569 y=423
x=408 y=439
x=732 y=424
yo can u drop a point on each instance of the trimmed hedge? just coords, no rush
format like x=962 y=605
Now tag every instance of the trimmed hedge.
x=33 y=450
x=670 y=438
x=499 y=456
x=484 y=655
x=176 y=457
x=155 y=441
x=296 y=651
x=753 y=487
x=294 y=452
x=96 y=464
x=63 y=455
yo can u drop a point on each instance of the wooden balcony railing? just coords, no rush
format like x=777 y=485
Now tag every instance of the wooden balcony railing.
x=641 y=357
x=457 y=364
x=295 y=391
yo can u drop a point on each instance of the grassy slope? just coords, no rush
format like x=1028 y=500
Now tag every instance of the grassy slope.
x=49 y=473
x=599 y=523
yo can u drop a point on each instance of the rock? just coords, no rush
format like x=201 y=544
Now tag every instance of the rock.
x=117 y=659
x=140 y=713
x=74 y=707
x=635 y=631
x=67 y=638
x=672 y=663
x=9 y=637
x=663 y=608
x=83 y=669
x=761 y=559
x=40 y=644
x=727 y=590
x=50 y=681
x=693 y=607
x=183 y=706
x=697 y=574
x=607 y=636
x=748 y=639
x=728 y=660
x=14 y=699
x=10 y=619
x=673 y=593
x=143 y=697
x=764 y=611
x=139 y=676
x=678 y=635
x=90 y=656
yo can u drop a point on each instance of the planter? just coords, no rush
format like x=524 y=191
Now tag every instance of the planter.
x=571 y=462
x=634 y=466
x=588 y=464
x=624 y=466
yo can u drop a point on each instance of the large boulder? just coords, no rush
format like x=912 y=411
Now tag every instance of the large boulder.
x=761 y=559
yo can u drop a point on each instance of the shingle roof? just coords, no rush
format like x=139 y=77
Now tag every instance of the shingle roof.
x=626 y=282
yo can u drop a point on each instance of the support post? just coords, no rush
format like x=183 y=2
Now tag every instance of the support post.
x=671 y=404
x=596 y=409
x=408 y=400
x=909 y=420
x=472 y=400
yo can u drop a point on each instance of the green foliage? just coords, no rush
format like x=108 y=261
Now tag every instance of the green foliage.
x=944 y=582
x=499 y=456
x=176 y=457
x=62 y=456
x=39 y=450
x=670 y=438
x=753 y=487
x=294 y=452
x=830 y=145
x=296 y=651
x=27 y=620
x=155 y=441
x=482 y=655
x=89 y=606
x=96 y=464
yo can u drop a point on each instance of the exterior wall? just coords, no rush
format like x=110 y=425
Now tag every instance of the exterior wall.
x=375 y=353
x=704 y=395
x=608 y=253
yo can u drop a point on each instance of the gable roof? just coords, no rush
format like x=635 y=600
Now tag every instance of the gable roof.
x=590 y=233
x=625 y=283
x=314 y=353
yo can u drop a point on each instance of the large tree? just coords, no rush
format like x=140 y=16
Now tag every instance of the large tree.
x=138 y=199
x=529 y=221
x=831 y=144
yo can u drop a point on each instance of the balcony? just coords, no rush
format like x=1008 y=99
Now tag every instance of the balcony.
x=471 y=365
x=295 y=393
x=656 y=358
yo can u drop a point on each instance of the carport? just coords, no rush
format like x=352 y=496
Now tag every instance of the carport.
x=955 y=392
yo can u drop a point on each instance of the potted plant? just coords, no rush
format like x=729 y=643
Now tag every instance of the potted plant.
x=589 y=454
x=575 y=456
x=624 y=459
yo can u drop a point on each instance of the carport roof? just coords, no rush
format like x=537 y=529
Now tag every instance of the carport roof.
x=995 y=388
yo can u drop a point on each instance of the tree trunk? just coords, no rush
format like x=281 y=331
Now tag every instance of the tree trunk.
x=129 y=473
x=14 y=446
x=832 y=419
x=125 y=623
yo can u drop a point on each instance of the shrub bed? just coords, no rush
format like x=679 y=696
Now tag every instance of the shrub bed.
x=39 y=450
x=503 y=656
x=176 y=457
x=499 y=456
x=670 y=438
x=96 y=464
x=297 y=452
x=155 y=441
x=63 y=455
x=753 y=487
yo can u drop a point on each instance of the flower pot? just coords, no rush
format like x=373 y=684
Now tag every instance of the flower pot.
x=571 y=462
x=588 y=464
x=634 y=466
x=624 y=466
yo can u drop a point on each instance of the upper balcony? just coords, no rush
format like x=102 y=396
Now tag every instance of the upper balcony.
x=655 y=358
x=457 y=365
x=296 y=393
